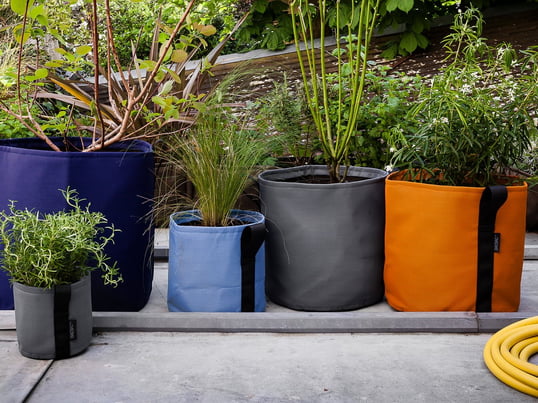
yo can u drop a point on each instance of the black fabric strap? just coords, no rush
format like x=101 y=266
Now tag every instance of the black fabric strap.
x=492 y=199
x=251 y=241
x=62 y=296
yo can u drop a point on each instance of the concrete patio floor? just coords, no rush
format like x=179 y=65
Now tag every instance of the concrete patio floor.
x=373 y=355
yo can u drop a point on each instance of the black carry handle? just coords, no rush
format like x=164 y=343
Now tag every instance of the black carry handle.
x=62 y=296
x=493 y=197
x=251 y=241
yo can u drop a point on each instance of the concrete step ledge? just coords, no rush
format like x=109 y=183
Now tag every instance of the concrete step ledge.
x=298 y=322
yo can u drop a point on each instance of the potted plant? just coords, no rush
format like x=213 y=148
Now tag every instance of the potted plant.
x=325 y=223
x=455 y=223
x=216 y=253
x=114 y=113
x=528 y=168
x=48 y=258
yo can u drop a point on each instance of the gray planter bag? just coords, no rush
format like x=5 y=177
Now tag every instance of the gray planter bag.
x=325 y=242
x=53 y=323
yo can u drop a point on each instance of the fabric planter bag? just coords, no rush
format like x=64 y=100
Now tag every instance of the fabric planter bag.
x=216 y=269
x=325 y=241
x=53 y=323
x=453 y=248
x=118 y=182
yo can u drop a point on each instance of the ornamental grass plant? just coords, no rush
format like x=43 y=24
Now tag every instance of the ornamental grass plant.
x=46 y=250
x=477 y=117
x=218 y=155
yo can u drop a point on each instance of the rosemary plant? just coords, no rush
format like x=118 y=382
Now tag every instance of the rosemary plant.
x=45 y=250
x=354 y=31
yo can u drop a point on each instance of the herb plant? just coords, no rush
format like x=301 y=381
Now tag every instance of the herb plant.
x=476 y=116
x=45 y=250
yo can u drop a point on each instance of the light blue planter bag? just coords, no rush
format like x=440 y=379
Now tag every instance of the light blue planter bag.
x=216 y=269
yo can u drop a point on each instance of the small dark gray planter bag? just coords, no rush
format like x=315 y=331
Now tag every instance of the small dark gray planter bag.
x=324 y=247
x=53 y=323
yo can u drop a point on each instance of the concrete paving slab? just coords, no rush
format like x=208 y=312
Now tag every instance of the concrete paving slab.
x=190 y=367
x=531 y=246
x=18 y=374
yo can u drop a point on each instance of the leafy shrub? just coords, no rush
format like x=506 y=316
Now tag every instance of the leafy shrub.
x=475 y=117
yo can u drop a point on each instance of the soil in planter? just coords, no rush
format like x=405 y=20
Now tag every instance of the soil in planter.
x=318 y=179
x=231 y=223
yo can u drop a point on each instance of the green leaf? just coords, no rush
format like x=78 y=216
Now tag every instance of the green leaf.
x=41 y=73
x=83 y=50
x=422 y=41
x=392 y=5
x=260 y=6
x=179 y=56
x=19 y=6
x=409 y=42
x=405 y=5
x=417 y=26
x=35 y=12
x=42 y=19
x=167 y=87
x=21 y=35
x=149 y=65
x=160 y=76
x=206 y=30
x=159 y=101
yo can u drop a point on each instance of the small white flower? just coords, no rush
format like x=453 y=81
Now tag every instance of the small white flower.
x=389 y=168
x=444 y=120
x=466 y=89
x=392 y=150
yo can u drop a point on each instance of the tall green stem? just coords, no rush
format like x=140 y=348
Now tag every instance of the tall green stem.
x=335 y=139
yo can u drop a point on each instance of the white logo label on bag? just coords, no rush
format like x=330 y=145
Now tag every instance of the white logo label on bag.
x=72 y=329
x=496 y=242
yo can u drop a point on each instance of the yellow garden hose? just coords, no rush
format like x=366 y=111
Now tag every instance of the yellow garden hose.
x=507 y=355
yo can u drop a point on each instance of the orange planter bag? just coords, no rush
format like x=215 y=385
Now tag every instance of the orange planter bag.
x=453 y=248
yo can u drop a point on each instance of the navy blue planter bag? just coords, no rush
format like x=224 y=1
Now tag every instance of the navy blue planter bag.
x=216 y=269
x=118 y=182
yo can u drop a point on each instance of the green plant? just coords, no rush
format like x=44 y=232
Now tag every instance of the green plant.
x=351 y=64
x=282 y=114
x=145 y=98
x=45 y=250
x=270 y=26
x=218 y=155
x=475 y=118
x=387 y=95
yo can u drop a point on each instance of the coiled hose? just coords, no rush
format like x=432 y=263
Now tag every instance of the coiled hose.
x=507 y=354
